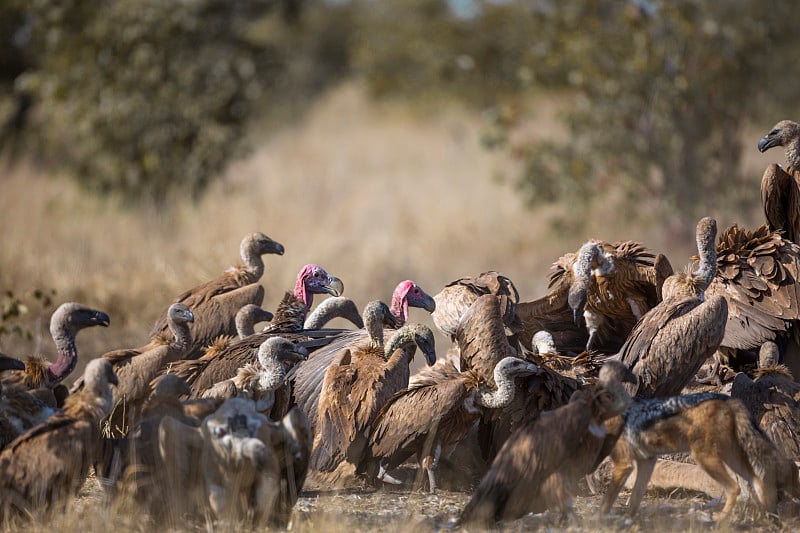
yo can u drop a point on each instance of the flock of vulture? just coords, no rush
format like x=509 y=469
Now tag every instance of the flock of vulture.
x=214 y=419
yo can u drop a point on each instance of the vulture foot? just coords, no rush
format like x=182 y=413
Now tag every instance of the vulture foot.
x=714 y=375
x=384 y=476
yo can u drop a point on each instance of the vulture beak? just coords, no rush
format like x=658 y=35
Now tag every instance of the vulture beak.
x=767 y=142
x=428 y=303
x=9 y=363
x=630 y=377
x=186 y=390
x=430 y=355
x=100 y=319
x=113 y=379
x=530 y=370
x=275 y=248
x=299 y=353
x=189 y=316
x=334 y=287
x=577 y=317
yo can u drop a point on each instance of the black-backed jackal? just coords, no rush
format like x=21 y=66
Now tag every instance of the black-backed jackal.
x=717 y=430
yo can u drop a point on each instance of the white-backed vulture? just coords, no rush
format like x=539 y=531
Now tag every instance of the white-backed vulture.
x=773 y=399
x=244 y=460
x=604 y=287
x=334 y=307
x=258 y=381
x=47 y=465
x=482 y=342
x=43 y=377
x=538 y=466
x=219 y=365
x=216 y=302
x=357 y=385
x=20 y=411
x=757 y=273
x=434 y=414
x=671 y=341
x=309 y=375
x=136 y=368
x=780 y=190
x=247 y=317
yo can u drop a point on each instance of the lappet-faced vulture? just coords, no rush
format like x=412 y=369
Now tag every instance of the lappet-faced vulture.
x=47 y=465
x=603 y=287
x=216 y=366
x=434 y=414
x=45 y=378
x=216 y=302
x=537 y=467
x=780 y=189
x=309 y=375
x=358 y=384
x=671 y=341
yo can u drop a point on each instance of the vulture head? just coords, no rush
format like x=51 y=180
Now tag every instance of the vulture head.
x=769 y=355
x=180 y=314
x=693 y=282
x=543 y=343
x=376 y=315
x=9 y=363
x=281 y=350
x=413 y=334
x=591 y=260
x=334 y=307
x=170 y=385
x=65 y=323
x=785 y=133
x=409 y=294
x=248 y=316
x=259 y=244
x=312 y=279
x=513 y=367
x=97 y=376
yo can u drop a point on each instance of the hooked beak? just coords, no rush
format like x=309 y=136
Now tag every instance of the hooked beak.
x=577 y=317
x=275 y=248
x=430 y=356
x=9 y=363
x=530 y=369
x=429 y=304
x=113 y=379
x=334 y=287
x=300 y=353
x=100 y=319
x=189 y=316
x=630 y=377
x=767 y=142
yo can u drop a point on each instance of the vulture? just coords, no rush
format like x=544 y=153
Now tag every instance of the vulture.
x=47 y=465
x=780 y=190
x=482 y=344
x=671 y=341
x=773 y=398
x=437 y=412
x=601 y=290
x=136 y=368
x=309 y=375
x=537 y=467
x=358 y=383
x=334 y=307
x=216 y=302
x=247 y=317
x=250 y=467
x=757 y=273
x=45 y=378
x=222 y=364
x=457 y=296
x=258 y=381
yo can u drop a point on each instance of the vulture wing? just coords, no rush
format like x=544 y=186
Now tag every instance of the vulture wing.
x=780 y=198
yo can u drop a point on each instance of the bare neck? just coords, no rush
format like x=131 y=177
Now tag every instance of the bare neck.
x=67 y=350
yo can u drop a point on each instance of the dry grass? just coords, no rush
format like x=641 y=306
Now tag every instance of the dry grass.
x=374 y=193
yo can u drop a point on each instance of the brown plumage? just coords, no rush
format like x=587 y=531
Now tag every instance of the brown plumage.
x=538 y=466
x=671 y=342
x=358 y=384
x=435 y=413
x=773 y=399
x=780 y=189
x=457 y=296
x=216 y=302
x=605 y=286
x=219 y=365
x=65 y=323
x=757 y=273
x=482 y=344
x=47 y=465
x=137 y=368
x=309 y=375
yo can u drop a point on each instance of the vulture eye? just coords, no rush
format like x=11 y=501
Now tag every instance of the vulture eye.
x=416 y=291
x=220 y=432
x=774 y=132
x=316 y=273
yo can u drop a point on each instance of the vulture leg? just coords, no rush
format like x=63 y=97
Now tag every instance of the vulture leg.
x=384 y=476
x=431 y=463
x=644 y=469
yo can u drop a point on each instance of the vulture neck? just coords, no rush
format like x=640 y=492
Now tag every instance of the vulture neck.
x=67 y=350
x=181 y=336
x=245 y=325
x=502 y=395
x=302 y=294
x=272 y=374
x=402 y=338
x=253 y=263
x=792 y=153
x=707 y=267
x=399 y=309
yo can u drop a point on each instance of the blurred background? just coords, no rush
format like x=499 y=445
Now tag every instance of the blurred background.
x=140 y=140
